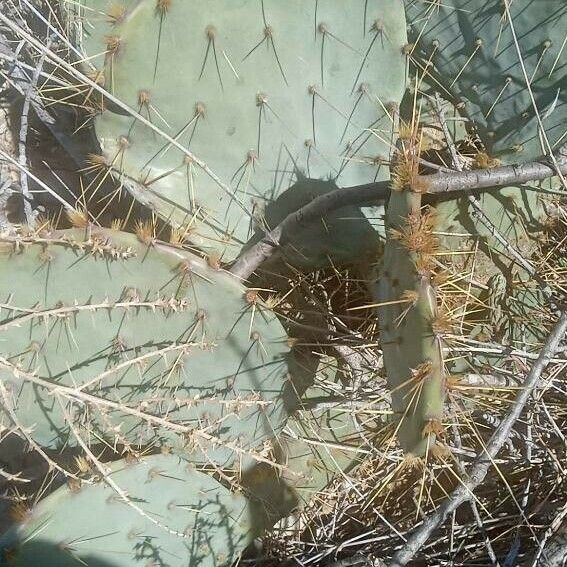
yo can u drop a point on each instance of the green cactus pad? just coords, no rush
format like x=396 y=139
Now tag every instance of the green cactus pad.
x=149 y=335
x=476 y=62
x=259 y=91
x=327 y=444
x=518 y=214
x=183 y=517
x=413 y=355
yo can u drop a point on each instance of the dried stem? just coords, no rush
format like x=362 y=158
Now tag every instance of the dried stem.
x=30 y=89
x=445 y=182
x=496 y=177
x=19 y=81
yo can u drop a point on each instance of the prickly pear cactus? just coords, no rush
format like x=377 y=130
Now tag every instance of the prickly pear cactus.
x=106 y=337
x=489 y=60
x=408 y=313
x=502 y=68
x=168 y=514
x=505 y=74
x=258 y=91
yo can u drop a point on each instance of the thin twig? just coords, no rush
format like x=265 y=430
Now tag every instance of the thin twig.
x=25 y=433
x=472 y=502
x=13 y=477
x=482 y=463
x=55 y=31
x=356 y=561
x=105 y=473
x=41 y=183
x=455 y=157
x=517 y=256
x=558 y=528
x=474 y=346
x=31 y=89
x=5 y=192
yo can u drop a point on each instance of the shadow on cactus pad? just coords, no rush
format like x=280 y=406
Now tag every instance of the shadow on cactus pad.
x=347 y=235
x=45 y=554
x=321 y=442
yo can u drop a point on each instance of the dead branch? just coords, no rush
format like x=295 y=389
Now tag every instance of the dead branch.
x=496 y=177
x=444 y=182
x=25 y=86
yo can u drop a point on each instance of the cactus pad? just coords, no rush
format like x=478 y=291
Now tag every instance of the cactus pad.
x=408 y=315
x=476 y=60
x=258 y=91
x=137 y=343
x=319 y=443
x=176 y=516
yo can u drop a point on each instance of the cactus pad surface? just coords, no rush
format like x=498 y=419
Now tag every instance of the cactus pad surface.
x=108 y=337
x=174 y=516
x=258 y=91
x=506 y=74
